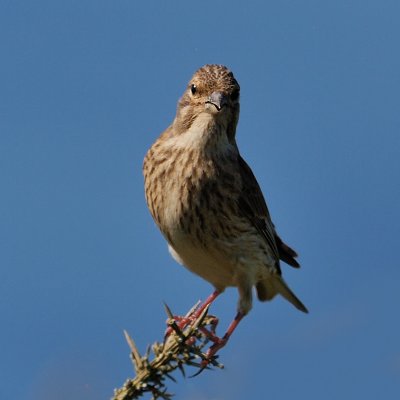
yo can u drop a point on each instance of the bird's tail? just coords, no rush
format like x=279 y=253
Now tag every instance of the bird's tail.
x=269 y=288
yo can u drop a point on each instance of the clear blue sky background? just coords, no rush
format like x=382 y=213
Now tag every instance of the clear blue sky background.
x=87 y=86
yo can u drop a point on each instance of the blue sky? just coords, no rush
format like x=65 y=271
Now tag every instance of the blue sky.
x=87 y=86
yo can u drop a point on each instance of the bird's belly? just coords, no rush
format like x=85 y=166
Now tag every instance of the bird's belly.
x=218 y=262
x=220 y=273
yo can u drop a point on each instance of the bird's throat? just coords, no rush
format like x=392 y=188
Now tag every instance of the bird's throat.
x=206 y=132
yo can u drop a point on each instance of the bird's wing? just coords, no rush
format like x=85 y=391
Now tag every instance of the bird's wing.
x=252 y=204
x=286 y=253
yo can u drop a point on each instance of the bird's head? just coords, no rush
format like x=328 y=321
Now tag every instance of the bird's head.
x=213 y=92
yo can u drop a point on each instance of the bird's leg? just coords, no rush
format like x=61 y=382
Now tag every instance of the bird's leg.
x=182 y=322
x=219 y=343
x=206 y=303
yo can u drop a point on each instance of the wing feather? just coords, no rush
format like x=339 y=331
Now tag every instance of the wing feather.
x=254 y=207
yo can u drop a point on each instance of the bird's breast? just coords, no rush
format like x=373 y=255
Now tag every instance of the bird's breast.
x=175 y=192
x=186 y=188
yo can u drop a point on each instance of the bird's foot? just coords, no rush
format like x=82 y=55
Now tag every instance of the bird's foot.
x=211 y=355
x=178 y=324
x=191 y=316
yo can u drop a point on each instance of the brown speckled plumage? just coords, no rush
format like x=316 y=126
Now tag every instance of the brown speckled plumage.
x=205 y=199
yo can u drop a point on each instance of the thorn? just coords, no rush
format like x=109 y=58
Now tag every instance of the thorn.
x=134 y=350
x=202 y=368
x=193 y=309
x=177 y=330
x=180 y=366
x=170 y=376
x=168 y=311
x=147 y=354
x=201 y=317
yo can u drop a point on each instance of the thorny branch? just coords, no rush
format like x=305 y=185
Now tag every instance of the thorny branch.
x=182 y=347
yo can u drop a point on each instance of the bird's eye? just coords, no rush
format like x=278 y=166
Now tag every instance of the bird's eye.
x=193 y=89
x=235 y=94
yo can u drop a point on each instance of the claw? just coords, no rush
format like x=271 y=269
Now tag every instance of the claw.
x=199 y=310
x=219 y=343
x=195 y=318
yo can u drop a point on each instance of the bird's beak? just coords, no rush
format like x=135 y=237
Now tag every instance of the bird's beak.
x=217 y=99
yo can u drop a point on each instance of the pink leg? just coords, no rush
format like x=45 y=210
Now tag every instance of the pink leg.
x=183 y=321
x=206 y=303
x=220 y=343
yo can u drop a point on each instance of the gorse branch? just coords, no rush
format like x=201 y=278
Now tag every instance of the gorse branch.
x=182 y=347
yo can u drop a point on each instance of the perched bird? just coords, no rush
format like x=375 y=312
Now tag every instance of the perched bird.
x=206 y=201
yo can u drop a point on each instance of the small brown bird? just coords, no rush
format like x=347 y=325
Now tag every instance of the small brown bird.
x=207 y=202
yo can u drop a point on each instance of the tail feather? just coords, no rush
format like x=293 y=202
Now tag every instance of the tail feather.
x=268 y=289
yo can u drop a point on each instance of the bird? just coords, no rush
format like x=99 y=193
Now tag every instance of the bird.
x=207 y=203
